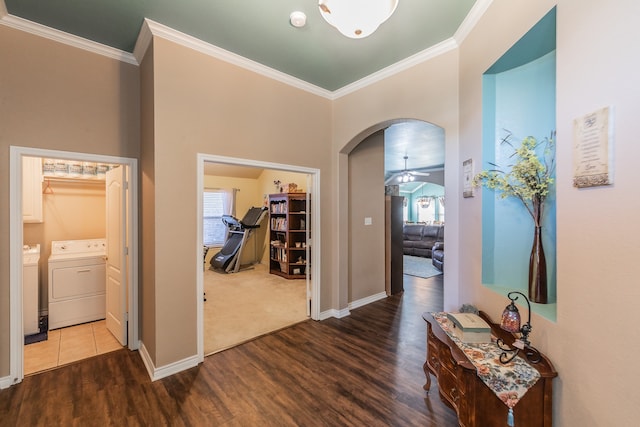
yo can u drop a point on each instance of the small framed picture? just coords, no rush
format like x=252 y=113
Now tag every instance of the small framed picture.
x=467 y=178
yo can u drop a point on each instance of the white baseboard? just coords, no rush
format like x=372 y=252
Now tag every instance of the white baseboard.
x=367 y=300
x=339 y=314
x=5 y=382
x=167 y=370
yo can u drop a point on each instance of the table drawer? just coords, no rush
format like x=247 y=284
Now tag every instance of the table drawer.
x=447 y=360
x=449 y=386
x=433 y=360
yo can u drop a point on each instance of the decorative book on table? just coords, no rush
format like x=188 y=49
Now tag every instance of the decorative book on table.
x=469 y=327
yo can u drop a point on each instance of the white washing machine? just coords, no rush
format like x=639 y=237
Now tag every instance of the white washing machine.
x=30 y=289
x=77 y=282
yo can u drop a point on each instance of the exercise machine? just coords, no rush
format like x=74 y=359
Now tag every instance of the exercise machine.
x=228 y=259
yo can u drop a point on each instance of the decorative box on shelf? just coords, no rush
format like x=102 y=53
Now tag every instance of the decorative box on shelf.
x=469 y=327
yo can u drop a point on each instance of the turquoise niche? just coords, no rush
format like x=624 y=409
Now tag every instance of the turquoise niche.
x=519 y=98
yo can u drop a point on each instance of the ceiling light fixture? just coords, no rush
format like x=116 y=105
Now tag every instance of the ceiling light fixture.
x=406 y=176
x=356 y=19
x=423 y=201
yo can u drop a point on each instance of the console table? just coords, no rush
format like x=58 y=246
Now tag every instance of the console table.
x=475 y=403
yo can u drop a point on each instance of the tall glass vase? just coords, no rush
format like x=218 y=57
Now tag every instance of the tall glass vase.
x=537 y=270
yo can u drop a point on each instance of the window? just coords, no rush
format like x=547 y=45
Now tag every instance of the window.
x=214 y=230
x=427 y=213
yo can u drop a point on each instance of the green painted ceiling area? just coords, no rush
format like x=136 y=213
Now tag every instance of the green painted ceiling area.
x=260 y=31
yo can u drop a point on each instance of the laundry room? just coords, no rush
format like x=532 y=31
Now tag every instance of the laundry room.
x=64 y=230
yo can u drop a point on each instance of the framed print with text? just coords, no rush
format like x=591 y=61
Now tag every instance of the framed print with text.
x=593 y=149
x=467 y=178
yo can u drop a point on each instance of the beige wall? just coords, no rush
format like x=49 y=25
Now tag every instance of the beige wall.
x=268 y=176
x=58 y=97
x=427 y=92
x=203 y=105
x=587 y=79
x=367 y=242
x=147 y=206
x=589 y=347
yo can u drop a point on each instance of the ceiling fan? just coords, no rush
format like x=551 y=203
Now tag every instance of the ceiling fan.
x=405 y=175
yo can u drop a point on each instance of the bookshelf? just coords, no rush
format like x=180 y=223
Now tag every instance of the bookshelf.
x=289 y=249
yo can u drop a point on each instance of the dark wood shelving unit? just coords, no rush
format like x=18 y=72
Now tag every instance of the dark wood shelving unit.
x=289 y=249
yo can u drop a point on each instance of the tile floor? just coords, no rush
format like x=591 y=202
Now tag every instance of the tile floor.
x=68 y=345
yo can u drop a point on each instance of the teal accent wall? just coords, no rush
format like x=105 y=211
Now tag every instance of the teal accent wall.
x=520 y=101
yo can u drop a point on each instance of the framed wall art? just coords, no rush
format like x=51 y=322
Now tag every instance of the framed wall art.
x=593 y=149
x=467 y=178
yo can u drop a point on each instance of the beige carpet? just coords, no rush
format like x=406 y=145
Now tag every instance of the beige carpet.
x=247 y=304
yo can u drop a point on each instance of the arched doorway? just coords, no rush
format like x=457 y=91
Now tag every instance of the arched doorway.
x=364 y=160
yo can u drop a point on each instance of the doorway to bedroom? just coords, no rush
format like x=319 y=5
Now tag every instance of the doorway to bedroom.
x=241 y=298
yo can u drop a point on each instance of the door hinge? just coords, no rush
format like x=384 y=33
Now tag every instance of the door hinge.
x=126 y=316
x=125 y=185
x=126 y=250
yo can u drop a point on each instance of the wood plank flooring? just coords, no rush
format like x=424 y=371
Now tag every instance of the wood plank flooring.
x=362 y=370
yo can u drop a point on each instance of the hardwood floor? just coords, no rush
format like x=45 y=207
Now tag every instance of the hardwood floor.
x=362 y=370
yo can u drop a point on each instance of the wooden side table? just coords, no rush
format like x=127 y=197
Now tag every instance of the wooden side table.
x=476 y=404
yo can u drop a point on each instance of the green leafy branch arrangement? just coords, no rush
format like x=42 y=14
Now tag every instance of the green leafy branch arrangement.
x=528 y=179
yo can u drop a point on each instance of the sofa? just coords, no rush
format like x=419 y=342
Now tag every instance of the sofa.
x=419 y=239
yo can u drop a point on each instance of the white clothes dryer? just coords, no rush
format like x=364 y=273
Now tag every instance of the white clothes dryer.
x=77 y=282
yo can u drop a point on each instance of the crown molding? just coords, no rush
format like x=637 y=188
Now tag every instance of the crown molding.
x=472 y=18
x=65 y=38
x=398 y=67
x=142 y=42
x=470 y=21
x=168 y=33
x=151 y=28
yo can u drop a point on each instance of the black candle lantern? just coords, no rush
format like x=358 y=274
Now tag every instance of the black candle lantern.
x=511 y=322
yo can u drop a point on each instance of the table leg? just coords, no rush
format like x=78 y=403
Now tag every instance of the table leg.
x=427 y=386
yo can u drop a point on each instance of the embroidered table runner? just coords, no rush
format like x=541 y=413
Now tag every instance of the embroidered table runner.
x=508 y=381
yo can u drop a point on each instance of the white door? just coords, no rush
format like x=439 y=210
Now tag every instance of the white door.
x=116 y=259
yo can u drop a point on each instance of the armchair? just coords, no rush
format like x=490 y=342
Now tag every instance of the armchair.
x=437 y=255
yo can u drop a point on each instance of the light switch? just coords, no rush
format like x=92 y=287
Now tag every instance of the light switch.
x=367 y=221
